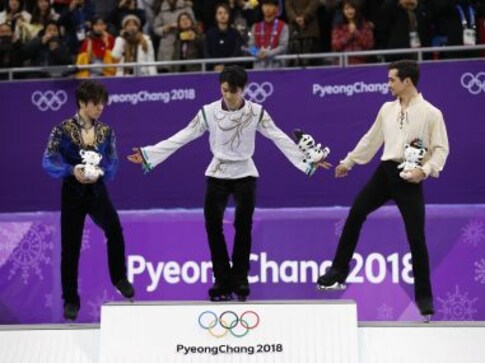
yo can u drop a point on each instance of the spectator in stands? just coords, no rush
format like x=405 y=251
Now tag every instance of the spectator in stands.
x=189 y=44
x=42 y=12
x=304 y=32
x=132 y=46
x=77 y=21
x=165 y=27
x=10 y=49
x=269 y=38
x=47 y=49
x=14 y=16
x=457 y=23
x=403 y=24
x=243 y=15
x=96 y=49
x=222 y=41
x=352 y=33
x=122 y=9
x=61 y=6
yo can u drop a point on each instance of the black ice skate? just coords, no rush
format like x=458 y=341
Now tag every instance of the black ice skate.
x=125 y=289
x=242 y=290
x=426 y=309
x=71 y=310
x=220 y=292
x=332 y=280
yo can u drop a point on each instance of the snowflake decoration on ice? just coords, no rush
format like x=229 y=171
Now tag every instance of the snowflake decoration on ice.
x=473 y=232
x=480 y=271
x=49 y=301
x=385 y=312
x=95 y=305
x=10 y=236
x=457 y=306
x=31 y=251
x=339 y=226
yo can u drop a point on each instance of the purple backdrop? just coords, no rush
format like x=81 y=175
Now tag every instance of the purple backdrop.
x=335 y=105
x=167 y=258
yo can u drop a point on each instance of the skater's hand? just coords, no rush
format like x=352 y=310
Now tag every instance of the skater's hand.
x=416 y=176
x=136 y=157
x=341 y=171
x=323 y=164
x=79 y=175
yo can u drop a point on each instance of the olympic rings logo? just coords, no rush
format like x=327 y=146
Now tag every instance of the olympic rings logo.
x=258 y=92
x=473 y=83
x=49 y=100
x=228 y=322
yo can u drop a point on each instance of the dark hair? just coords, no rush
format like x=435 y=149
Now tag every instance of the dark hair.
x=8 y=9
x=37 y=17
x=98 y=18
x=223 y=5
x=270 y=2
x=187 y=15
x=406 y=68
x=93 y=91
x=359 y=21
x=50 y=22
x=235 y=76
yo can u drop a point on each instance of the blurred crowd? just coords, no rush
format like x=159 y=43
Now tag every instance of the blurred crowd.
x=39 y=33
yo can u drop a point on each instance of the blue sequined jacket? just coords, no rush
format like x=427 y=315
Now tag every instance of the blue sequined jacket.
x=62 y=152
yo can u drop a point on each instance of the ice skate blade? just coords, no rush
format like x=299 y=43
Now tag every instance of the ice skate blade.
x=221 y=298
x=427 y=319
x=242 y=298
x=130 y=299
x=336 y=287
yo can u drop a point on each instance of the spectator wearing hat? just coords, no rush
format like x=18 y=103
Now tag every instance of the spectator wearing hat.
x=132 y=46
x=269 y=38
x=122 y=9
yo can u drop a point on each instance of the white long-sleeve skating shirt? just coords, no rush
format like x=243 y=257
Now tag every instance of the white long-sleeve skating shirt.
x=231 y=139
x=394 y=129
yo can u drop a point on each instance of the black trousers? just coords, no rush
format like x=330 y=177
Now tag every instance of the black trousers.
x=78 y=201
x=217 y=194
x=386 y=184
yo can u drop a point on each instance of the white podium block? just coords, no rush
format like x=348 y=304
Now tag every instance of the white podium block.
x=61 y=343
x=269 y=331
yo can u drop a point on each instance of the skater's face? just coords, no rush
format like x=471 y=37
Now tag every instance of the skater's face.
x=91 y=109
x=232 y=99
x=396 y=84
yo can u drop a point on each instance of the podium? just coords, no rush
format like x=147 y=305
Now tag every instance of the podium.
x=265 y=331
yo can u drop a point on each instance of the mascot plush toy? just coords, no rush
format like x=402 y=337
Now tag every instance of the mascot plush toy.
x=313 y=152
x=413 y=155
x=90 y=165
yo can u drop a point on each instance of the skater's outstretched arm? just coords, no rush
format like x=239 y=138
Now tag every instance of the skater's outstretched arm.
x=152 y=155
x=366 y=148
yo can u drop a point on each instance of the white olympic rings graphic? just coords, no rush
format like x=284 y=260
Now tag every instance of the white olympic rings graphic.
x=49 y=100
x=258 y=92
x=473 y=83
x=228 y=321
